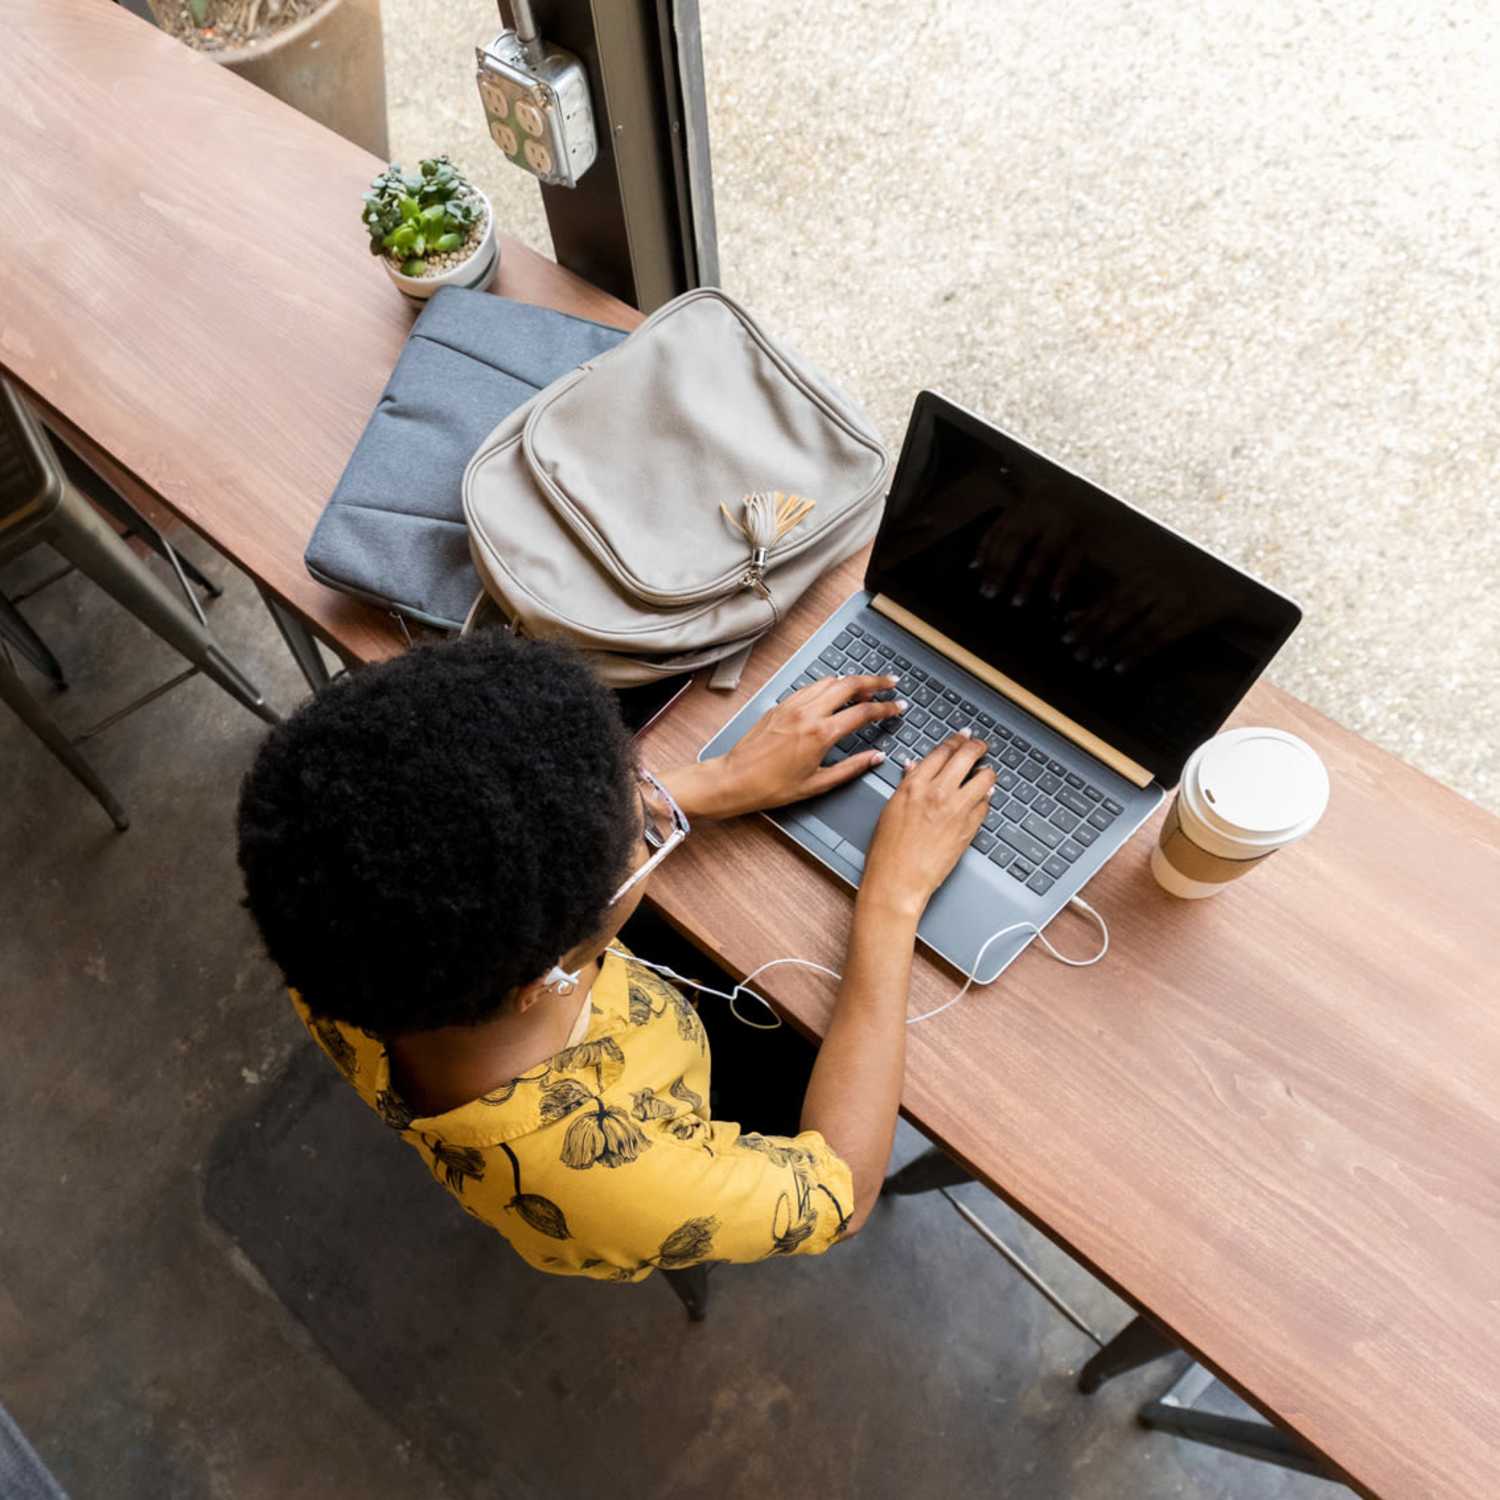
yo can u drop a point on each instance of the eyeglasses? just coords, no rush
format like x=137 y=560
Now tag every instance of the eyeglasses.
x=665 y=827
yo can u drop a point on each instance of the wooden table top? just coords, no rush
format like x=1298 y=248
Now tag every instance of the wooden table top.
x=1271 y=1119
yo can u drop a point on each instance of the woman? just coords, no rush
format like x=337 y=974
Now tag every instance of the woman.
x=439 y=852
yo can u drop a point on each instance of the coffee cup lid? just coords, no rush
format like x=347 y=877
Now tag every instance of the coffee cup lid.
x=1257 y=786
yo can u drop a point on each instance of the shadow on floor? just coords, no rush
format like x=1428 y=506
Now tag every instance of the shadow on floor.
x=907 y=1364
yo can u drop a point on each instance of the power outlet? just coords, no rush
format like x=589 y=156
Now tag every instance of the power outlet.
x=536 y=101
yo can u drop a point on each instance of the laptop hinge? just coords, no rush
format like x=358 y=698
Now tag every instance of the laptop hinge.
x=1085 y=739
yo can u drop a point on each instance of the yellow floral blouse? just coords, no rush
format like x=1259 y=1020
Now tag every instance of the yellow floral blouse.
x=603 y=1160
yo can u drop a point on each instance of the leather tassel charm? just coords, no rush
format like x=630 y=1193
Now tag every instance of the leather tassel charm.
x=766 y=517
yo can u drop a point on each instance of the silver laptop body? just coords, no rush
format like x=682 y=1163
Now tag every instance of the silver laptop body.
x=1092 y=649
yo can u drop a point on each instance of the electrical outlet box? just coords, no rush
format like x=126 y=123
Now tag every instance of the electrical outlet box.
x=536 y=101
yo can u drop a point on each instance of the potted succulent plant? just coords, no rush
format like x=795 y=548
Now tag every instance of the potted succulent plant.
x=431 y=228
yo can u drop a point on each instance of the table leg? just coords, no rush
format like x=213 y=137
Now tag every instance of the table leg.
x=299 y=641
x=926 y=1173
x=1174 y=1413
x=195 y=573
x=1138 y=1343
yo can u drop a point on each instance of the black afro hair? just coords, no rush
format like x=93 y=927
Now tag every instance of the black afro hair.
x=426 y=835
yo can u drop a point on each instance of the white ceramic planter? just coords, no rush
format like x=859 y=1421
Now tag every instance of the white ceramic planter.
x=474 y=274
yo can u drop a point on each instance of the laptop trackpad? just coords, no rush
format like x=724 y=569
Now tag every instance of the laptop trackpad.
x=851 y=812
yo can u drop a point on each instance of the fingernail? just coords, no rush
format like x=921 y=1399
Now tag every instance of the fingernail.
x=876 y=756
x=892 y=678
x=987 y=590
x=966 y=733
x=902 y=705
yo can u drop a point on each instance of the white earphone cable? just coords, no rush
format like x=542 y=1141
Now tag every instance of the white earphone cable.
x=743 y=987
x=1072 y=963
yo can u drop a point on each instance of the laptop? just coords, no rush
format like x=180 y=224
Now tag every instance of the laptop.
x=1093 y=649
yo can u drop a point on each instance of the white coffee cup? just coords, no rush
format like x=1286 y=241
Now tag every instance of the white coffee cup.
x=1244 y=795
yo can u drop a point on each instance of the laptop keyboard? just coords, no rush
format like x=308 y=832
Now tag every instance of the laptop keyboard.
x=1043 y=811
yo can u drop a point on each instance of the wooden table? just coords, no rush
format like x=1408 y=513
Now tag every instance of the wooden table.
x=1272 y=1120
x=191 y=299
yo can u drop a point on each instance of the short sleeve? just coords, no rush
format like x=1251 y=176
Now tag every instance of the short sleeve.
x=708 y=1193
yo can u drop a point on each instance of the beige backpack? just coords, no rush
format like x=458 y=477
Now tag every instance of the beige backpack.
x=663 y=505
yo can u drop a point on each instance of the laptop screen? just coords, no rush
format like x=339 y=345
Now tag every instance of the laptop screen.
x=1112 y=619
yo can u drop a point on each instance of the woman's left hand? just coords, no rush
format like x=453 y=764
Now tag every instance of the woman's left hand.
x=780 y=759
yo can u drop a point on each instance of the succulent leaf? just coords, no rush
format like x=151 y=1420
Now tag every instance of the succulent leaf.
x=410 y=215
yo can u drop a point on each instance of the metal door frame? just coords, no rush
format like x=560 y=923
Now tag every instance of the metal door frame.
x=640 y=224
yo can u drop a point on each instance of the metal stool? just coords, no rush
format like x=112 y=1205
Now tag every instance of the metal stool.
x=691 y=1288
x=40 y=502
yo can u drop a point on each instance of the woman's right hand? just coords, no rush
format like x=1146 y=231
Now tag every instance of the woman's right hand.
x=926 y=826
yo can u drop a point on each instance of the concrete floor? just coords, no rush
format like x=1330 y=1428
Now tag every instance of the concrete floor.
x=221 y=1276
x=1237 y=263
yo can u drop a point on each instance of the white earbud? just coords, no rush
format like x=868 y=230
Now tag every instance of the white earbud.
x=560 y=980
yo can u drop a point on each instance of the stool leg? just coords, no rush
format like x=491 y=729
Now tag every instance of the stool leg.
x=93 y=486
x=81 y=535
x=16 y=628
x=691 y=1286
x=44 y=727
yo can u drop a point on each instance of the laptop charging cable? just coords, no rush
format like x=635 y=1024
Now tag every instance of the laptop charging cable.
x=743 y=987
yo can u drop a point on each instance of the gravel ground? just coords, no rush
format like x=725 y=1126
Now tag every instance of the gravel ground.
x=1238 y=264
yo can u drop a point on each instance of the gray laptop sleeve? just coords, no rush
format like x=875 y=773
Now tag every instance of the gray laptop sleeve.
x=393 y=532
